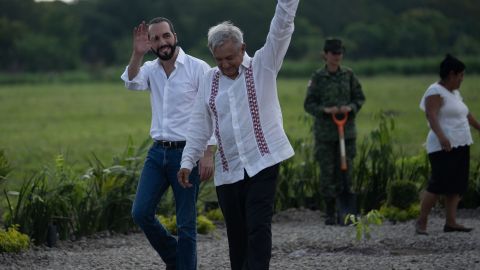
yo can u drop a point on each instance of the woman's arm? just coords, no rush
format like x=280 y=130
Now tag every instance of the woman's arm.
x=473 y=122
x=433 y=104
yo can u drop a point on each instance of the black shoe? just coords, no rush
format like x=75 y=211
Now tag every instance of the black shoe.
x=447 y=228
x=171 y=267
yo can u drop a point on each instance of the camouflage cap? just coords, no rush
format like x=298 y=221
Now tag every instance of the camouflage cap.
x=333 y=45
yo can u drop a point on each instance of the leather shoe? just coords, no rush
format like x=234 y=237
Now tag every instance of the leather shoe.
x=447 y=228
x=418 y=230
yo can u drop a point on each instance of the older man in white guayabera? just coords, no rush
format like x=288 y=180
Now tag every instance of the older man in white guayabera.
x=238 y=102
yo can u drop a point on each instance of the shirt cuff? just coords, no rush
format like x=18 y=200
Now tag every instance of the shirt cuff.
x=187 y=165
x=212 y=141
x=124 y=76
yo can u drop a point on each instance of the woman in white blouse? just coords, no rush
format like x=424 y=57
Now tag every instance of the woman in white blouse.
x=447 y=144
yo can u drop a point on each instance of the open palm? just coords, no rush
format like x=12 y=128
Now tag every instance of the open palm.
x=141 y=43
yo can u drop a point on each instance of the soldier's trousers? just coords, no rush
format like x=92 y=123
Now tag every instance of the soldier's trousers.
x=327 y=155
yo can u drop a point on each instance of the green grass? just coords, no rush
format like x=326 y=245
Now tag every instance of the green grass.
x=37 y=122
x=40 y=121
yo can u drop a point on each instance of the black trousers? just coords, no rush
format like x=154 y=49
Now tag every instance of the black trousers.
x=247 y=207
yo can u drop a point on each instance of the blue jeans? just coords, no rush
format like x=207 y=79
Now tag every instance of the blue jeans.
x=160 y=172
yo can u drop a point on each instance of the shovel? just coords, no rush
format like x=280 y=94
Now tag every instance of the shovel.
x=346 y=201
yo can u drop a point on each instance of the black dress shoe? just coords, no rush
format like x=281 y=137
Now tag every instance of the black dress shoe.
x=447 y=228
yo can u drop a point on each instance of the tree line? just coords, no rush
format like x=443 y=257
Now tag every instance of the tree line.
x=55 y=36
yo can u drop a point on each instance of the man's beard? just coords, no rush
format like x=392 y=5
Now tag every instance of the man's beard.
x=165 y=57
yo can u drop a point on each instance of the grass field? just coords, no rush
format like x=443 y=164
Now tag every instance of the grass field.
x=37 y=122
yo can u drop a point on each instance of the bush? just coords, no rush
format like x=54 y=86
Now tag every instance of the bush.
x=299 y=179
x=170 y=223
x=395 y=214
x=375 y=163
x=414 y=168
x=204 y=225
x=13 y=241
x=41 y=200
x=215 y=215
x=471 y=199
x=96 y=201
x=402 y=194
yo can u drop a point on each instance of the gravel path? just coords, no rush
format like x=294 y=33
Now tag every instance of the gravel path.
x=300 y=241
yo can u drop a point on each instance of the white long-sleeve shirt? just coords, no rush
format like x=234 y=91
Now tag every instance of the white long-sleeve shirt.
x=172 y=98
x=244 y=114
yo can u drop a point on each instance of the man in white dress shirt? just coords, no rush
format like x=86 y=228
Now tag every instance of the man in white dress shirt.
x=173 y=80
x=238 y=102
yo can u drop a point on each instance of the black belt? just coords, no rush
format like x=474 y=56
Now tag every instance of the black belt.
x=170 y=144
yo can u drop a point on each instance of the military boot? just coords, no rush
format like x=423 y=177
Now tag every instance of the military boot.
x=330 y=211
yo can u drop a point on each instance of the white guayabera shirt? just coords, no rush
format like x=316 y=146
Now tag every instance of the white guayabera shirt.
x=172 y=98
x=452 y=118
x=244 y=114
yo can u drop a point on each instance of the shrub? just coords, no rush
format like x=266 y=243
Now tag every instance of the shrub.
x=299 y=179
x=98 y=200
x=414 y=168
x=215 y=215
x=395 y=214
x=471 y=199
x=402 y=194
x=375 y=164
x=170 y=223
x=12 y=240
x=204 y=225
x=43 y=199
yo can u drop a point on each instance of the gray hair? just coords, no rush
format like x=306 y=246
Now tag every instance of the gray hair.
x=218 y=34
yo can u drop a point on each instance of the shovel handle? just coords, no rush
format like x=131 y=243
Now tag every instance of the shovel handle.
x=341 y=136
x=342 y=121
x=343 y=156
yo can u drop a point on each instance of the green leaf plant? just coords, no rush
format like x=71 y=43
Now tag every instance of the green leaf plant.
x=363 y=223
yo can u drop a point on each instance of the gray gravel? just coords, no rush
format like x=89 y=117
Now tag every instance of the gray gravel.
x=300 y=241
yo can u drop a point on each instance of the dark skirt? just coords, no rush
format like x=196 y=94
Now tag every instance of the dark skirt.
x=449 y=171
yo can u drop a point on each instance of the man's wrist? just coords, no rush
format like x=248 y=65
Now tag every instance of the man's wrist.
x=209 y=151
x=186 y=165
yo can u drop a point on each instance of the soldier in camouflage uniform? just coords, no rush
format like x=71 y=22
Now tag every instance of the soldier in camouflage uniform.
x=331 y=90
